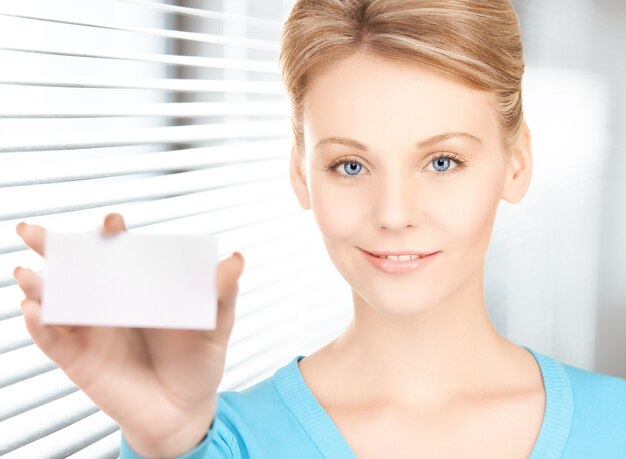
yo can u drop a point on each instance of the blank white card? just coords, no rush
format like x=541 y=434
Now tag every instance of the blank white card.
x=130 y=280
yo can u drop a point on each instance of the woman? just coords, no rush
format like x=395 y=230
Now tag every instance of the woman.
x=408 y=131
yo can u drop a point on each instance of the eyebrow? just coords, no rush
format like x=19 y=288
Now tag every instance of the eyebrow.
x=421 y=144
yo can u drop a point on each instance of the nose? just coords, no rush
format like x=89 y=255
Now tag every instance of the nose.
x=397 y=203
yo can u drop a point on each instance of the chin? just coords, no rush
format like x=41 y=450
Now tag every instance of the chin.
x=395 y=306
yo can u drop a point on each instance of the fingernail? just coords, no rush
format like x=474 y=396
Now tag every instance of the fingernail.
x=19 y=227
x=16 y=270
x=109 y=218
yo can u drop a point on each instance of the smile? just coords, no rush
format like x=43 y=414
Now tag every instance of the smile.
x=399 y=257
x=398 y=263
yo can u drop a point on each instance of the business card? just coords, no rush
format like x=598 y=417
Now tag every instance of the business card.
x=130 y=280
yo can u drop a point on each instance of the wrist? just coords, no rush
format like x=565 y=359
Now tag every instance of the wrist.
x=190 y=435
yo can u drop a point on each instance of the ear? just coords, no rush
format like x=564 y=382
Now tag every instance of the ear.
x=298 y=178
x=519 y=169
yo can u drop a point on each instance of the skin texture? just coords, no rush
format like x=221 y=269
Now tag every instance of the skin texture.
x=419 y=342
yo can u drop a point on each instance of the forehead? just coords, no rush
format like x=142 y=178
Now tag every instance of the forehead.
x=379 y=101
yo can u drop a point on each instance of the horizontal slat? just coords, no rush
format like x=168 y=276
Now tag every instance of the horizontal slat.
x=264 y=45
x=174 y=110
x=44 y=420
x=105 y=448
x=10 y=299
x=238 y=226
x=203 y=13
x=159 y=84
x=289 y=313
x=260 y=299
x=31 y=393
x=296 y=333
x=22 y=202
x=173 y=210
x=161 y=135
x=258 y=306
x=22 y=364
x=13 y=334
x=261 y=231
x=266 y=262
x=277 y=332
x=225 y=220
x=248 y=65
x=68 y=440
x=264 y=367
x=54 y=171
x=254 y=245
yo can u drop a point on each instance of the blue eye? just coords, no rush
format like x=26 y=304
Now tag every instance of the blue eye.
x=443 y=162
x=352 y=166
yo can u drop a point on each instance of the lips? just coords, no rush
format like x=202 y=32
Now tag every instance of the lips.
x=399 y=266
x=397 y=253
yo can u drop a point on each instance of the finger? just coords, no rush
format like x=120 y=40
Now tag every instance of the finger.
x=32 y=235
x=113 y=223
x=29 y=282
x=44 y=336
x=228 y=273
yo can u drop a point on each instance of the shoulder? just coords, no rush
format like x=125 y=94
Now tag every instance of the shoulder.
x=598 y=393
x=258 y=423
x=265 y=396
x=599 y=416
x=257 y=406
x=592 y=394
x=585 y=413
x=260 y=396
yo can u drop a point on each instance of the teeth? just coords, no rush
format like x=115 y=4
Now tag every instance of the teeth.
x=400 y=257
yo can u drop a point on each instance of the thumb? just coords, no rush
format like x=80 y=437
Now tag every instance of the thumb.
x=228 y=272
x=113 y=224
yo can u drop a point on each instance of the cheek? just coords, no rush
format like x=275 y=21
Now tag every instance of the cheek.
x=338 y=210
x=467 y=212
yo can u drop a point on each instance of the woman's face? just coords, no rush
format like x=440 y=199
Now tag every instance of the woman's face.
x=393 y=194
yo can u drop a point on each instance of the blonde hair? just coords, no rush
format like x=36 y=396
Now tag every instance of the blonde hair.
x=476 y=42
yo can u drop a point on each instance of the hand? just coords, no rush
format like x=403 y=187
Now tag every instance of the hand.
x=159 y=385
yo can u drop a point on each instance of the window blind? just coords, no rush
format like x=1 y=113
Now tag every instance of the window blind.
x=172 y=114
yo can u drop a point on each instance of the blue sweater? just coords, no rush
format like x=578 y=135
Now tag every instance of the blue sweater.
x=279 y=418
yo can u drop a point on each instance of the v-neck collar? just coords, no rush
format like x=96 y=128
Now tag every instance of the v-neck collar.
x=315 y=421
x=559 y=412
x=319 y=426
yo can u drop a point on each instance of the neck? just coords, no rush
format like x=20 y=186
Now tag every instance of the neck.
x=427 y=358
